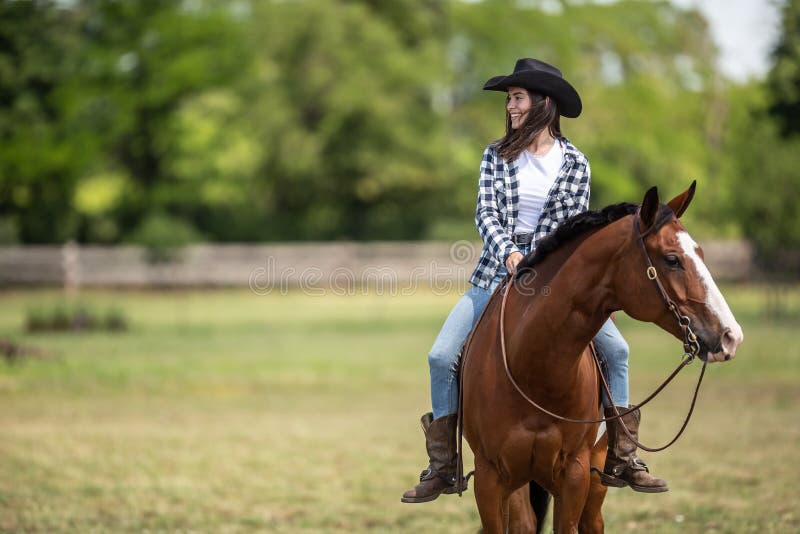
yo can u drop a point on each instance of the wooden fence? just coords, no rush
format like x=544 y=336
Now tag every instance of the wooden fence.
x=266 y=267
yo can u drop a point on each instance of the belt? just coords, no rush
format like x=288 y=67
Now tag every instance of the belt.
x=522 y=239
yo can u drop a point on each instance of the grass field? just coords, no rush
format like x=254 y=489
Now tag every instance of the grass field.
x=225 y=411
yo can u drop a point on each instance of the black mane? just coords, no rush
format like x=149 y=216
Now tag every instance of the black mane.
x=581 y=223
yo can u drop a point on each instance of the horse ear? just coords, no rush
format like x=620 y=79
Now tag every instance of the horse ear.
x=649 y=209
x=679 y=204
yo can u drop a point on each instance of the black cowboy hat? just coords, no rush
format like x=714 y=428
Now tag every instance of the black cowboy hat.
x=542 y=78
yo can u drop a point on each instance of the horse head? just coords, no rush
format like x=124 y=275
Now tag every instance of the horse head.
x=666 y=281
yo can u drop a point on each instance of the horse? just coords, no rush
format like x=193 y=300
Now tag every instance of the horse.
x=594 y=264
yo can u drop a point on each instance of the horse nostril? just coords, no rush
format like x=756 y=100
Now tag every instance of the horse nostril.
x=729 y=343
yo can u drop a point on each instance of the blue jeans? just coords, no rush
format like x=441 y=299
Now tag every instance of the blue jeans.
x=613 y=351
x=443 y=356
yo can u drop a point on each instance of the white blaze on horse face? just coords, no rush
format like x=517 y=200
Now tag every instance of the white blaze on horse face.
x=732 y=334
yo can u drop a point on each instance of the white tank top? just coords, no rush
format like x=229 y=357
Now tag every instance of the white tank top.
x=536 y=175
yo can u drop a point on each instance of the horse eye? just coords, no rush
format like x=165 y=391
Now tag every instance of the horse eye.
x=672 y=261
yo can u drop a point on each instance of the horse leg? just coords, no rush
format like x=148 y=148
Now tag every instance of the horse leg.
x=571 y=495
x=521 y=519
x=491 y=497
x=592 y=517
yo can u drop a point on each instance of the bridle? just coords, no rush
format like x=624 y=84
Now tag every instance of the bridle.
x=690 y=343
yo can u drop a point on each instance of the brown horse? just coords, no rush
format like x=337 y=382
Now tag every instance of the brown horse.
x=594 y=264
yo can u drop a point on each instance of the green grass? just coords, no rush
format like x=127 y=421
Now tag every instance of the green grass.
x=225 y=411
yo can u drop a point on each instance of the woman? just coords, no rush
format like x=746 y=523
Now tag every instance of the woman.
x=531 y=180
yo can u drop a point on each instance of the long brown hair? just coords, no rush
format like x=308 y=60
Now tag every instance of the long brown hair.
x=543 y=114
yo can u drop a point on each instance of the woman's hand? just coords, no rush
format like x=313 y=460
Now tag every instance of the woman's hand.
x=512 y=260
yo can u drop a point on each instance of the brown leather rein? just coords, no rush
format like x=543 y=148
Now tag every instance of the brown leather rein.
x=691 y=348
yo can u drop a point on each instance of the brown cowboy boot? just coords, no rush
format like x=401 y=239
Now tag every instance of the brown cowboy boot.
x=440 y=476
x=623 y=467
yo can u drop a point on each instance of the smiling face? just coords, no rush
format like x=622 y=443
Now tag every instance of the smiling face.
x=518 y=104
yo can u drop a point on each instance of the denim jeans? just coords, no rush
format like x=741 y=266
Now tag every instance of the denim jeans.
x=613 y=351
x=443 y=356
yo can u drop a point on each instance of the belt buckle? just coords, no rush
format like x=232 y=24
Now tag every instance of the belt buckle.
x=521 y=239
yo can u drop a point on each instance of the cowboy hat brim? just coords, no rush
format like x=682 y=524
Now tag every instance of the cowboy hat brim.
x=567 y=98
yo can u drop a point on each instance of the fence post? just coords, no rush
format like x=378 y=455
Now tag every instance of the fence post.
x=70 y=263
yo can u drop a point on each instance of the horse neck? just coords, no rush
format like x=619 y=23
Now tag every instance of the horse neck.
x=547 y=334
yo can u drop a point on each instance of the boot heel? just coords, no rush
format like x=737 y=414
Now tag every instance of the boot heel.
x=612 y=481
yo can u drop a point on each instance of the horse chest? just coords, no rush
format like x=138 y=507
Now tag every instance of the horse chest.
x=539 y=454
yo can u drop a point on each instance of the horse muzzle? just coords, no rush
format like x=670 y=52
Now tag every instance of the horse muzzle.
x=724 y=349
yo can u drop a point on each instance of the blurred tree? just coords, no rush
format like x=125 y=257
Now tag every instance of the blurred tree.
x=765 y=177
x=330 y=119
x=345 y=106
x=140 y=63
x=784 y=78
x=762 y=148
x=39 y=158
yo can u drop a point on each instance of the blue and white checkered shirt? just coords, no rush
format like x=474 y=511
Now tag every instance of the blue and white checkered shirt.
x=498 y=201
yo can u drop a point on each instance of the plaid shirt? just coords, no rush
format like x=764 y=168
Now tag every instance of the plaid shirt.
x=498 y=200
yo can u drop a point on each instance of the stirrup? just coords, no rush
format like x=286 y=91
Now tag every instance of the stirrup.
x=614 y=478
x=429 y=474
x=610 y=480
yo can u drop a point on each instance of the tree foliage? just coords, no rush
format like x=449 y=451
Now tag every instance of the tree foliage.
x=784 y=78
x=142 y=63
x=39 y=159
x=342 y=107
x=762 y=147
x=333 y=119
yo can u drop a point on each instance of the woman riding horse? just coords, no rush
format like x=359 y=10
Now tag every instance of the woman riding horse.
x=531 y=180
x=529 y=383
